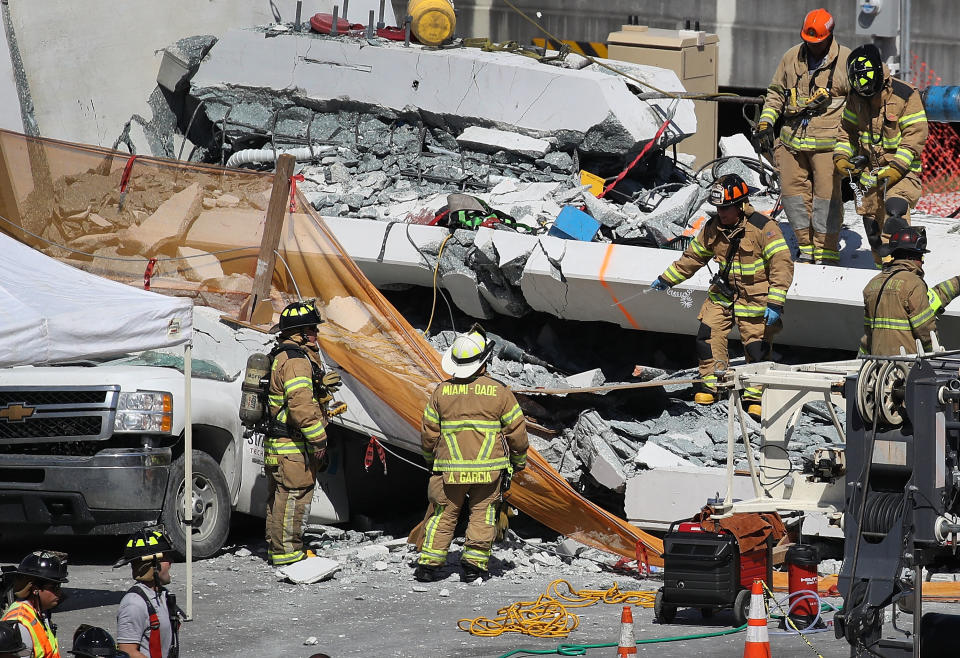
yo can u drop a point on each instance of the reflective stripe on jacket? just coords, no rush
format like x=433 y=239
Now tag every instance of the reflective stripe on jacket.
x=291 y=381
x=44 y=640
x=791 y=88
x=762 y=269
x=892 y=133
x=907 y=310
x=463 y=424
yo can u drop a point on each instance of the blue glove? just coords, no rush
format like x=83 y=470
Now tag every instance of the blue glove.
x=659 y=284
x=771 y=315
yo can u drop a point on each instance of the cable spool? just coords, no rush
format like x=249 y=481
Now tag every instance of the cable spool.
x=880 y=513
x=866 y=390
x=889 y=395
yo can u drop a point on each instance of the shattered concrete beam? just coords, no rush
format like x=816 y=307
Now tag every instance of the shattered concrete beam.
x=593 y=110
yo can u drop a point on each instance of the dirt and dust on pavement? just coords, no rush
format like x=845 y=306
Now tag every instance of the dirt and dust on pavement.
x=373 y=606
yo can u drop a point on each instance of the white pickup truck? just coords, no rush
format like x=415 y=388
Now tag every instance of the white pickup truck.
x=97 y=447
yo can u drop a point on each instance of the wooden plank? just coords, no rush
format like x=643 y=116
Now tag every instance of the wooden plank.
x=276 y=212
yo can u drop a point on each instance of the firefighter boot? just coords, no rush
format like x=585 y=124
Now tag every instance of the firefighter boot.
x=705 y=395
x=471 y=572
x=427 y=573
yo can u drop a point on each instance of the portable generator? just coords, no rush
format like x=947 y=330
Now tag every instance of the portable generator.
x=707 y=571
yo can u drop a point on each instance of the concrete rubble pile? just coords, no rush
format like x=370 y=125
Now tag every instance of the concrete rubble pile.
x=607 y=449
x=386 y=132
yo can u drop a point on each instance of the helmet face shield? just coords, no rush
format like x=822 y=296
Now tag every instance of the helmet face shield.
x=865 y=71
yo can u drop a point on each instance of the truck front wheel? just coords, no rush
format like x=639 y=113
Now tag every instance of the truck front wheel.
x=211 y=506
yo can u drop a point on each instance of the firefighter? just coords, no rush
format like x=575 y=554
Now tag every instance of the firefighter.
x=473 y=435
x=296 y=441
x=147 y=622
x=750 y=288
x=13 y=643
x=37 y=584
x=898 y=308
x=808 y=91
x=885 y=122
x=94 y=642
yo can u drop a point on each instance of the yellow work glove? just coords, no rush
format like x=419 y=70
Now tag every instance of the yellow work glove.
x=844 y=166
x=331 y=381
x=889 y=175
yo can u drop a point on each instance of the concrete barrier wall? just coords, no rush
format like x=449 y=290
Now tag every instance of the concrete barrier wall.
x=754 y=34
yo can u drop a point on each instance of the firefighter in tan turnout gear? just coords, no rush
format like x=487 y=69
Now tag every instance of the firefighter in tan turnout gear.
x=473 y=435
x=808 y=92
x=884 y=121
x=296 y=439
x=749 y=288
x=898 y=308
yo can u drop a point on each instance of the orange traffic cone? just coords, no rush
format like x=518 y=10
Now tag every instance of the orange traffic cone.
x=758 y=642
x=628 y=644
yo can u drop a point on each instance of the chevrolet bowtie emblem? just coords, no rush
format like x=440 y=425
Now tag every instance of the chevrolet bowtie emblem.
x=16 y=412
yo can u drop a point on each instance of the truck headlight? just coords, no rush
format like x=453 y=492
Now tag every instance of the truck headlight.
x=144 y=411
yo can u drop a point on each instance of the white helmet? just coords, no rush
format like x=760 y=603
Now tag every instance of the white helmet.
x=469 y=352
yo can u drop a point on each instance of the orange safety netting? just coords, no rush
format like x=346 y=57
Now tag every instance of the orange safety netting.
x=192 y=230
x=941 y=155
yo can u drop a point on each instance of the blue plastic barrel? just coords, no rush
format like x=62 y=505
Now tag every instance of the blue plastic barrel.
x=942 y=103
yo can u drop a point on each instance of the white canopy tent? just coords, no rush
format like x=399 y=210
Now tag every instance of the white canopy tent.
x=51 y=312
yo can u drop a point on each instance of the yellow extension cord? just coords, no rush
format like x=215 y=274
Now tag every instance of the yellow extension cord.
x=549 y=616
x=436 y=268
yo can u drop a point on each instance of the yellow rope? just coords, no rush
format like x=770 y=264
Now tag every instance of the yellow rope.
x=548 y=616
x=436 y=268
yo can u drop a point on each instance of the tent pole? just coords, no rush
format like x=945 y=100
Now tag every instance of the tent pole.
x=188 y=470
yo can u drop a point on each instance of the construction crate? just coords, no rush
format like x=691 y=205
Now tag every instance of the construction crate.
x=706 y=570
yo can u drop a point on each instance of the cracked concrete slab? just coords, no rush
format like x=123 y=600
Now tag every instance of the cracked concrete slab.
x=459 y=87
x=489 y=140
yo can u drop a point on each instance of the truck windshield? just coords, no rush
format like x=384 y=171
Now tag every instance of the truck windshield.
x=199 y=367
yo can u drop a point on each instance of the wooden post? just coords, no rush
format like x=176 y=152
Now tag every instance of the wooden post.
x=276 y=211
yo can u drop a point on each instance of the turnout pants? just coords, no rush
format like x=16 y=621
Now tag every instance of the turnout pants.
x=448 y=499
x=713 y=351
x=290 y=487
x=874 y=214
x=812 y=201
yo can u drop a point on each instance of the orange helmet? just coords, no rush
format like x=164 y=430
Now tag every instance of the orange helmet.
x=817 y=26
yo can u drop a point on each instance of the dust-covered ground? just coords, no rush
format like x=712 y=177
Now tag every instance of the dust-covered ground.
x=374 y=607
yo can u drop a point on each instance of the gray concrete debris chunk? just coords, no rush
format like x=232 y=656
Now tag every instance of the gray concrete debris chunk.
x=365 y=553
x=653 y=456
x=586 y=379
x=489 y=140
x=338 y=173
x=593 y=436
x=739 y=146
x=735 y=166
x=603 y=211
x=558 y=160
x=311 y=570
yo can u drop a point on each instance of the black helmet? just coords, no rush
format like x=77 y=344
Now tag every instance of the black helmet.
x=299 y=314
x=910 y=240
x=44 y=565
x=145 y=543
x=11 y=641
x=865 y=70
x=728 y=190
x=94 y=642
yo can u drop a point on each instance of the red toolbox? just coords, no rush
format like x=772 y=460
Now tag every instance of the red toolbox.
x=706 y=570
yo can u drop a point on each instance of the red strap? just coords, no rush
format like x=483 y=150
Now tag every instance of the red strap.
x=368 y=458
x=147 y=273
x=293 y=190
x=125 y=178
x=637 y=159
x=433 y=222
x=156 y=648
x=489 y=221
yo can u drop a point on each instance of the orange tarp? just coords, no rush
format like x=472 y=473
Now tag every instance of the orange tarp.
x=111 y=214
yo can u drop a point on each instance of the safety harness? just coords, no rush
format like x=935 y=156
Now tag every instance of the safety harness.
x=721 y=280
x=156 y=646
